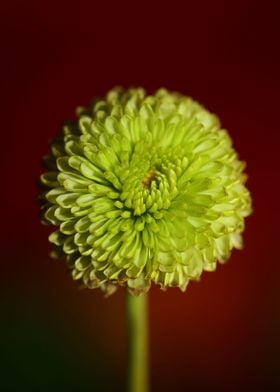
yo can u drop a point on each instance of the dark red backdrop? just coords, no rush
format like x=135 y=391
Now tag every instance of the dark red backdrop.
x=223 y=333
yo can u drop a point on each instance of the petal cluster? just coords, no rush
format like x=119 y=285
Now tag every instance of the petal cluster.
x=144 y=188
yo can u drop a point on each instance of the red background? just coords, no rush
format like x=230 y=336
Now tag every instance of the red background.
x=223 y=333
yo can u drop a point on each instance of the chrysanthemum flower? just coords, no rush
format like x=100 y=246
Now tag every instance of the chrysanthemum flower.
x=144 y=189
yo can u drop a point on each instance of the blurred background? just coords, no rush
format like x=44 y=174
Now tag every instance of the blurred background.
x=223 y=333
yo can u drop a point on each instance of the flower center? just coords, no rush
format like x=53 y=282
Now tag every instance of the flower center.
x=149 y=177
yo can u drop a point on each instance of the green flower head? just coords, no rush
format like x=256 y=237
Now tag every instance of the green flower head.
x=144 y=188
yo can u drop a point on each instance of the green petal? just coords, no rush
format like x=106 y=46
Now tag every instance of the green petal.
x=144 y=188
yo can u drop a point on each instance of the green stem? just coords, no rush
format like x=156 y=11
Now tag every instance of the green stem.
x=137 y=316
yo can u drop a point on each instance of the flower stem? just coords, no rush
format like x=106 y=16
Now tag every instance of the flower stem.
x=137 y=317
